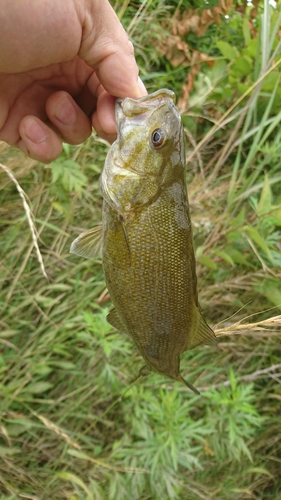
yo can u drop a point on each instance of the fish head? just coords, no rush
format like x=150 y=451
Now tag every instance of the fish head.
x=149 y=129
x=148 y=153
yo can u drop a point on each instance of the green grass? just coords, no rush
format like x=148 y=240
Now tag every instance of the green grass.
x=70 y=426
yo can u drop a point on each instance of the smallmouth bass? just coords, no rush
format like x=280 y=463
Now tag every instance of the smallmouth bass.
x=146 y=238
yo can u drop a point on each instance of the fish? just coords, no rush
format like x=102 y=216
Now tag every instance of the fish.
x=145 y=240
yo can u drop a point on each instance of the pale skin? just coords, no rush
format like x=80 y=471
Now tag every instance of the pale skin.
x=61 y=64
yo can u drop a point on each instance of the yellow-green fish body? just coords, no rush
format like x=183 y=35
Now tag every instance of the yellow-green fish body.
x=147 y=248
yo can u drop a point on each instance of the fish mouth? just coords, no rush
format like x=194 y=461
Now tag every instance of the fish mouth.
x=133 y=108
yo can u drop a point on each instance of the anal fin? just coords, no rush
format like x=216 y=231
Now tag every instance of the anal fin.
x=113 y=318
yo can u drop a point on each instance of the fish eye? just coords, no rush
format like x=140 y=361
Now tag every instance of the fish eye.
x=158 y=137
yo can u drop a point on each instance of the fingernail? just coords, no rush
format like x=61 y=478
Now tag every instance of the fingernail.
x=142 y=86
x=34 y=131
x=65 y=112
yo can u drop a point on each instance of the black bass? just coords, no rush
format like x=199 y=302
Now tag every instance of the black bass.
x=146 y=237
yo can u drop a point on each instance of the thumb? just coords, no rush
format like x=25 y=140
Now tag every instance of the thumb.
x=106 y=48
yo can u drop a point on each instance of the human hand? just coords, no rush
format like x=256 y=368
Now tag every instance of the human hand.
x=61 y=63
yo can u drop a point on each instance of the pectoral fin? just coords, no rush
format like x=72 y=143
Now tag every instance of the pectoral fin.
x=190 y=386
x=145 y=370
x=89 y=244
x=201 y=333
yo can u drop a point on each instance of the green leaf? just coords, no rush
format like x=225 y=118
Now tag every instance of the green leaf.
x=242 y=66
x=44 y=301
x=67 y=476
x=66 y=148
x=232 y=379
x=39 y=387
x=270 y=81
x=276 y=213
x=236 y=256
x=69 y=174
x=218 y=71
x=227 y=50
x=251 y=49
x=233 y=236
x=64 y=365
x=88 y=458
x=255 y=236
x=225 y=256
x=246 y=31
x=264 y=205
x=239 y=220
x=271 y=291
x=206 y=261
x=276 y=258
x=259 y=470
x=18 y=426
x=5 y=451
x=58 y=207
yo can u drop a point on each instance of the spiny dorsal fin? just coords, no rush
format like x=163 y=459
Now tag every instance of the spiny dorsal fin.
x=114 y=319
x=89 y=244
x=202 y=333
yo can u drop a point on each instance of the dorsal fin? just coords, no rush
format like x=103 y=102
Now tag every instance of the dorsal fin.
x=88 y=244
x=201 y=333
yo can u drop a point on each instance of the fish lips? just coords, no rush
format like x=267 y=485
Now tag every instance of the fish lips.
x=136 y=110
